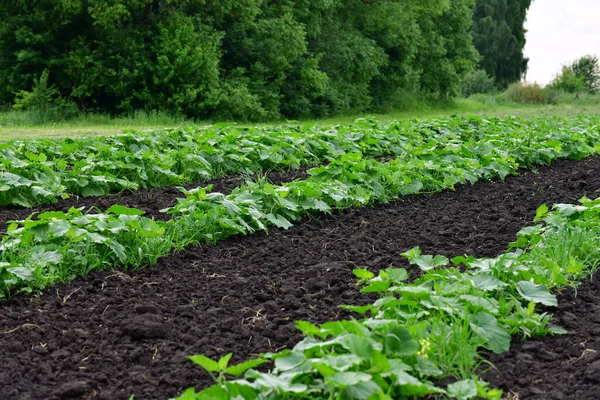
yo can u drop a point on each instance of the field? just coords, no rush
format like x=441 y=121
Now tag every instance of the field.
x=131 y=253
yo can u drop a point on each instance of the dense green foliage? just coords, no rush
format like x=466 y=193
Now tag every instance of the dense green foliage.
x=434 y=156
x=477 y=82
x=582 y=75
x=499 y=36
x=418 y=334
x=242 y=60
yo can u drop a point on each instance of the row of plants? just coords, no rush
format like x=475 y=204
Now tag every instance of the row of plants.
x=34 y=172
x=56 y=246
x=39 y=171
x=418 y=335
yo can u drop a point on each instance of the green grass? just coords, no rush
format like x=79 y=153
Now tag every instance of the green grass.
x=18 y=125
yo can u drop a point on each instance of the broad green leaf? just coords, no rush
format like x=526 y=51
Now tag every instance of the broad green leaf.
x=340 y=362
x=541 y=212
x=363 y=273
x=379 y=363
x=397 y=274
x=342 y=380
x=376 y=287
x=357 y=345
x=482 y=302
x=411 y=188
x=92 y=190
x=52 y=215
x=412 y=253
x=411 y=386
x=425 y=367
x=399 y=341
x=307 y=328
x=205 y=362
x=278 y=221
x=273 y=382
x=212 y=393
x=536 y=293
x=50 y=257
x=224 y=361
x=362 y=391
x=289 y=361
x=122 y=210
x=485 y=282
x=23 y=273
x=428 y=262
x=238 y=369
x=487 y=327
x=462 y=390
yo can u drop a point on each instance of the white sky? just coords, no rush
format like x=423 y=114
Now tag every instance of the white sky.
x=558 y=32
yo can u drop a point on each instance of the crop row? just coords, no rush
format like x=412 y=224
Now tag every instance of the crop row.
x=34 y=172
x=58 y=246
x=38 y=171
x=418 y=333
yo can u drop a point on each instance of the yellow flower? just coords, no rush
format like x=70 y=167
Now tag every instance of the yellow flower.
x=425 y=347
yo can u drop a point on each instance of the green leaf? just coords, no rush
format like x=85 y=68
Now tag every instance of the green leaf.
x=290 y=361
x=462 y=390
x=357 y=345
x=23 y=273
x=412 y=253
x=536 y=293
x=339 y=362
x=428 y=262
x=376 y=287
x=91 y=191
x=487 y=327
x=411 y=386
x=211 y=393
x=224 y=361
x=397 y=274
x=411 y=188
x=368 y=390
x=238 y=369
x=425 y=367
x=51 y=257
x=122 y=210
x=278 y=221
x=343 y=380
x=541 y=212
x=399 y=341
x=206 y=363
x=484 y=282
x=363 y=273
x=307 y=328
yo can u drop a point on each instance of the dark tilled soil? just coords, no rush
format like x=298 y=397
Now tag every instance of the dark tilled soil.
x=114 y=334
x=559 y=367
x=151 y=201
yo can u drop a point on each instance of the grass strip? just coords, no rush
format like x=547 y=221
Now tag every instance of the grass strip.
x=59 y=246
x=420 y=334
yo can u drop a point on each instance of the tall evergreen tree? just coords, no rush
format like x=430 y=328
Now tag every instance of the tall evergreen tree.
x=499 y=36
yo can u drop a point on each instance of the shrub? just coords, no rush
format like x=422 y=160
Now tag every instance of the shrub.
x=582 y=75
x=568 y=81
x=525 y=93
x=477 y=82
x=44 y=104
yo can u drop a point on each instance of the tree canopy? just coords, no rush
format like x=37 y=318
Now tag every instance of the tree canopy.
x=499 y=36
x=247 y=59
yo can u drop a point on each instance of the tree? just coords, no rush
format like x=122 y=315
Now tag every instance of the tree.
x=235 y=59
x=582 y=75
x=499 y=36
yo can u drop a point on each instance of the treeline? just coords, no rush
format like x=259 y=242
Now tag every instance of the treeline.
x=251 y=59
